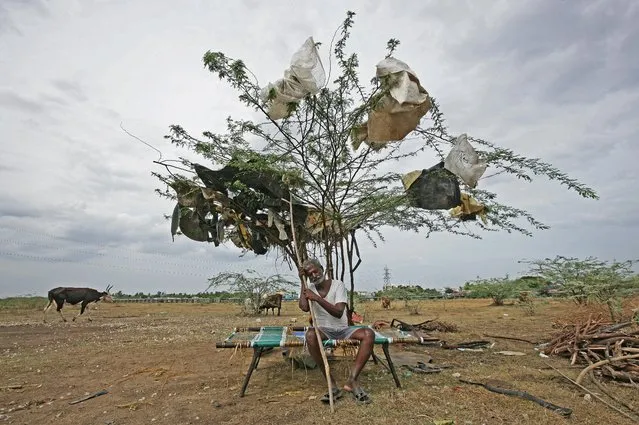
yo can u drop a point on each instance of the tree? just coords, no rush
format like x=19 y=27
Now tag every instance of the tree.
x=308 y=169
x=589 y=279
x=251 y=285
x=499 y=289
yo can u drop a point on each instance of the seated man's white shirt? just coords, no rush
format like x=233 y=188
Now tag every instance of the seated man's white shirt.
x=336 y=294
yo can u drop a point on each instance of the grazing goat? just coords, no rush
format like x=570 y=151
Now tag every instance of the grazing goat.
x=273 y=302
x=74 y=296
x=386 y=302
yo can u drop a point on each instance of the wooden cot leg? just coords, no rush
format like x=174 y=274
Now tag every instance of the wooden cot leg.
x=262 y=351
x=378 y=360
x=391 y=365
x=257 y=353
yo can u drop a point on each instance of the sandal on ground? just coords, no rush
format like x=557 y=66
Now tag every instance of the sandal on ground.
x=337 y=394
x=361 y=396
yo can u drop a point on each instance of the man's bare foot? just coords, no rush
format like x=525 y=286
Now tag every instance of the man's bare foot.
x=360 y=396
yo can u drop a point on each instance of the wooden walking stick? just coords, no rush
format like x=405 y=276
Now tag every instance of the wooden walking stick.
x=310 y=305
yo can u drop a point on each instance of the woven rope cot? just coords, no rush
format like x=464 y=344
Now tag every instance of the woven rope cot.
x=263 y=338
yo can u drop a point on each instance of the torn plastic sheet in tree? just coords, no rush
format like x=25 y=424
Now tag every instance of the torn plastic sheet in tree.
x=314 y=223
x=464 y=162
x=399 y=112
x=213 y=179
x=250 y=214
x=273 y=219
x=175 y=221
x=259 y=243
x=432 y=189
x=191 y=228
x=215 y=196
x=195 y=216
x=187 y=192
x=469 y=209
x=305 y=76
x=268 y=183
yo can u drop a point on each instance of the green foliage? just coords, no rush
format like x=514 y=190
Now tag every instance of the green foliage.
x=590 y=279
x=408 y=292
x=499 y=289
x=357 y=191
x=537 y=283
x=251 y=285
x=23 y=303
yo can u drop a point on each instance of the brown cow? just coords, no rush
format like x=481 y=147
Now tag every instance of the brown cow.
x=273 y=302
x=386 y=302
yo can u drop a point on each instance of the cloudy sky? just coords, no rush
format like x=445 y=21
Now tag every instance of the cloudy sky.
x=552 y=79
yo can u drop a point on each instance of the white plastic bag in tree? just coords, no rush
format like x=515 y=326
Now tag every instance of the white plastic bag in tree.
x=464 y=162
x=286 y=91
x=306 y=67
x=399 y=112
x=305 y=76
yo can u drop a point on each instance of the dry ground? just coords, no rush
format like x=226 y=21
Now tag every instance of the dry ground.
x=160 y=365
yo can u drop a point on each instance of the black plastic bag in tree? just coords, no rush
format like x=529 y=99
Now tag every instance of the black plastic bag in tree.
x=435 y=188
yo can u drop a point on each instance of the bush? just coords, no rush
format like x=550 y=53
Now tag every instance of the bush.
x=590 y=280
x=499 y=289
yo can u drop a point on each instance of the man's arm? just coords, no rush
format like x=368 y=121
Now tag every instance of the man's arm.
x=341 y=300
x=303 y=301
x=335 y=310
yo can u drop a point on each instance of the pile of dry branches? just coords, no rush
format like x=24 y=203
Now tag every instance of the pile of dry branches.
x=612 y=349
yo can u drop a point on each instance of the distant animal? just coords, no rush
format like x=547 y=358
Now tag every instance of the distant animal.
x=74 y=296
x=273 y=301
x=386 y=302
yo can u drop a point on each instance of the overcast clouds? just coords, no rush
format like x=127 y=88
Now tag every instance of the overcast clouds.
x=552 y=79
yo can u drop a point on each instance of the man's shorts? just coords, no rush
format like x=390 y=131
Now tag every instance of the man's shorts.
x=340 y=333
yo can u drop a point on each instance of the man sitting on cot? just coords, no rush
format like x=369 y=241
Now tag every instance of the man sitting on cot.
x=330 y=298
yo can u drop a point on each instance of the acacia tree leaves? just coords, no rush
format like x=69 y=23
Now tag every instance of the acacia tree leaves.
x=587 y=279
x=499 y=289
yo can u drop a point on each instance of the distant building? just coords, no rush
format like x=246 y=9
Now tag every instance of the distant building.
x=365 y=295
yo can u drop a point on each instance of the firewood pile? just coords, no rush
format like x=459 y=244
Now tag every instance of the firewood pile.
x=614 y=346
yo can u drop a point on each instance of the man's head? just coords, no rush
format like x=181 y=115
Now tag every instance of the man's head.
x=314 y=270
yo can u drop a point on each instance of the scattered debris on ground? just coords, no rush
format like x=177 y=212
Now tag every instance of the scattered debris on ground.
x=468 y=345
x=563 y=411
x=89 y=397
x=422 y=367
x=512 y=338
x=426 y=326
